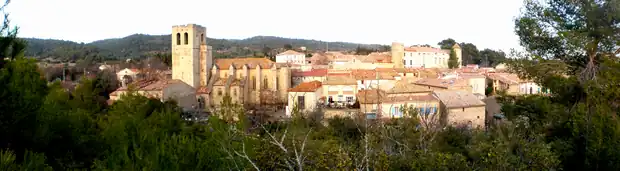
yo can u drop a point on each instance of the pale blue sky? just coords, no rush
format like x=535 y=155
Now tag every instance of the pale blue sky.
x=486 y=23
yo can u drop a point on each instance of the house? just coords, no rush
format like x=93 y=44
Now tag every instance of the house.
x=291 y=57
x=461 y=108
x=513 y=85
x=177 y=90
x=476 y=81
x=299 y=77
x=445 y=84
x=339 y=91
x=127 y=76
x=422 y=57
x=373 y=79
x=304 y=97
x=392 y=104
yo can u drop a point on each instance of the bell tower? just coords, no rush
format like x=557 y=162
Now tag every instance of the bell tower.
x=191 y=57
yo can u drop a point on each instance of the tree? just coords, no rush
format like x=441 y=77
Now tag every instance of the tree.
x=267 y=51
x=363 y=51
x=453 y=61
x=571 y=49
x=447 y=43
x=288 y=47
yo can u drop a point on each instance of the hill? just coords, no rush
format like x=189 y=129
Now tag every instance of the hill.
x=142 y=45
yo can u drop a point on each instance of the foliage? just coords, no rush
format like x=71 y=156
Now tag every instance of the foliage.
x=453 y=61
x=145 y=46
x=471 y=54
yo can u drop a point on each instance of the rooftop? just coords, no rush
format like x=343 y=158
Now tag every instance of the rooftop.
x=443 y=83
x=306 y=87
x=404 y=86
x=458 y=99
x=426 y=49
x=240 y=62
x=311 y=73
x=290 y=52
x=505 y=78
x=340 y=80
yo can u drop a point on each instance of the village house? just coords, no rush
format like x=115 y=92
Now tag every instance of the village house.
x=164 y=90
x=445 y=84
x=339 y=91
x=291 y=57
x=376 y=103
x=422 y=57
x=304 y=97
x=307 y=76
x=461 y=108
x=127 y=75
x=513 y=85
x=477 y=82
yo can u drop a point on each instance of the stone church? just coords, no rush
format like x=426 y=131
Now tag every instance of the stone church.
x=248 y=81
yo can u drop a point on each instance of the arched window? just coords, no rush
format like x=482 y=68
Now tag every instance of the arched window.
x=186 y=37
x=265 y=83
x=178 y=38
x=202 y=38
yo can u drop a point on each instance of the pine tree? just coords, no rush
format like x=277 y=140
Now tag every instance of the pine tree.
x=453 y=61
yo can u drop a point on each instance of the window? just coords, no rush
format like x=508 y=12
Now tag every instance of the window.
x=234 y=92
x=463 y=109
x=219 y=92
x=396 y=112
x=254 y=83
x=178 y=38
x=410 y=62
x=186 y=37
x=265 y=83
x=405 y=62
x=202 y=38
x=201 y=102
x=277 y=82
x=531 y=90
x=301 y=102
x=340 y=98
x=350 y=99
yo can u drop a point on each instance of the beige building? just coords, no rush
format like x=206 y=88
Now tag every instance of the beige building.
x=477 y=82
x=304 y=97
x=461 y=108
x=127 y=75
x=422 y=57
x=445 y=84
x=339 y=91
x=259 y=81
x=299 y=77
x=291 y=57
x=513 y=85
x=176 y=90
x=402 y=97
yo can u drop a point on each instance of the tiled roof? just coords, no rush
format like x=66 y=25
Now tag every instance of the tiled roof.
x=360 y=74
x=306 y=87
x=379 y=96
x=340 y=80
x=160 y=85
x=373 y=96
x=426 y=49
x=148 y=85
x=224 y=64
x=404 y=86
x=379 y=57
x=444 y=83
x=203 y=90
x=290 y=52
x=505 y=78
x=458 y=99
x=311 y=73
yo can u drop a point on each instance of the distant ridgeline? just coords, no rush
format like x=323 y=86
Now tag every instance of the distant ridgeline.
x=141 y=46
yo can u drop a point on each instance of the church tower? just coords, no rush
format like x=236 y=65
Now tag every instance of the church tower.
x=191 y=57
x=398 y=53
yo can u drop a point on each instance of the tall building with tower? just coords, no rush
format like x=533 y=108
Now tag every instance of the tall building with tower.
x=192 y=58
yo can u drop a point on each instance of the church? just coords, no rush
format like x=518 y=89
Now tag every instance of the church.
x=247 y=81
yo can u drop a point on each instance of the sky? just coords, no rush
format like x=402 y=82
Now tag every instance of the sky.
x=485 y=23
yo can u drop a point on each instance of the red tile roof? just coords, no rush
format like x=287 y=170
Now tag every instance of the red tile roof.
x=425 y=49
x=311 y=73
x=306 y=87
x=224 y=64
x=290 y=52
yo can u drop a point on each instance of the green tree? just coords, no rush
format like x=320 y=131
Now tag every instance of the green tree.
x=447 y=43
x=288 y=47
x=453 y=61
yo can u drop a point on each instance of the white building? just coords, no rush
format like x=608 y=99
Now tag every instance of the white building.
x=426 y=57
x=292 y=57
